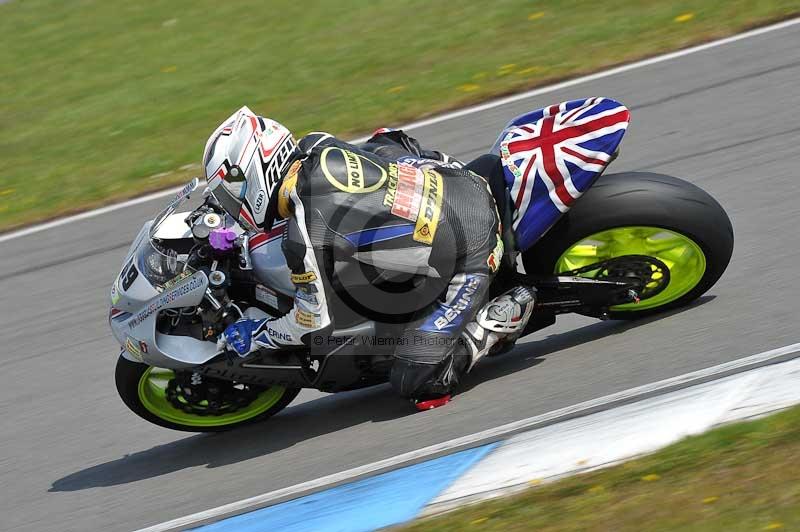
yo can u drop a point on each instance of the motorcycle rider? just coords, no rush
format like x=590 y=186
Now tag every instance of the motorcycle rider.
x=388 y=206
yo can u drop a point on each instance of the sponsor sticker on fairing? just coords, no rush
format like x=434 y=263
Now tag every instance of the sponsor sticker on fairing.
x=266 y=295
x=133 y=347
x=114 y=294
x=175 y=280
x=165 y=299
x=184 y=193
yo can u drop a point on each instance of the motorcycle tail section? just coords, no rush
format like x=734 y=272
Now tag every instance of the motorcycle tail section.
x=553 y=155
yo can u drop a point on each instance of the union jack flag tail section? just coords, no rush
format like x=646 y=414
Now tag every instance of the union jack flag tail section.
x=553 y=155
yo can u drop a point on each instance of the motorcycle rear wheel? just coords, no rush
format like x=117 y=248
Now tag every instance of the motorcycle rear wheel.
x=642 y=213
x=143 y=390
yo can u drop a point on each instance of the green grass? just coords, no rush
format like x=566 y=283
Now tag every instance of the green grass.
x=105 y=99
x=743 y=476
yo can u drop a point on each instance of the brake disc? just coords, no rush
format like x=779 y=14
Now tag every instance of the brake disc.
x=209 y=398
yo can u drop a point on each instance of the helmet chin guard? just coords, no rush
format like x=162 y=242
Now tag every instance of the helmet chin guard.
x=245 y=159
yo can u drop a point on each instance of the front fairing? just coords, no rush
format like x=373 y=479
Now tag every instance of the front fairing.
x=155 y=278
x=135 y=326
x=137 y=297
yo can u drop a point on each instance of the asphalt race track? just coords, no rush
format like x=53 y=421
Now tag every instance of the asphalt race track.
x=74 y=459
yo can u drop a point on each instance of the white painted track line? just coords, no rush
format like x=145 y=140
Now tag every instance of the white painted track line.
x=440 y=118
x=88 y=214
x=486 y=436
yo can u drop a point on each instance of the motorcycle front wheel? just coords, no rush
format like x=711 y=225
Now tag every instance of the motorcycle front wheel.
x=152 y=394
x=642 y=214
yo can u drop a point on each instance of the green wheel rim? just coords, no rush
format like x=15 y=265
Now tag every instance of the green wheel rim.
x=152 y=394
x=684 y=258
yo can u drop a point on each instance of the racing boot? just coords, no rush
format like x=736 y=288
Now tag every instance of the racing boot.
x=500 y=322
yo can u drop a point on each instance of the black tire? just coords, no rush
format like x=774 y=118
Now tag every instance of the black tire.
x=128 y=374
x=642 y=199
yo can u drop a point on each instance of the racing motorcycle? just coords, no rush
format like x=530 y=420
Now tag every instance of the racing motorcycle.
x=610 y=246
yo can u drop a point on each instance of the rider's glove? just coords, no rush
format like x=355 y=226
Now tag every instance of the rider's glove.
x=239 y=336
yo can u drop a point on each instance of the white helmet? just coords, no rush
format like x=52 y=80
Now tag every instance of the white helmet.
x=245 y=159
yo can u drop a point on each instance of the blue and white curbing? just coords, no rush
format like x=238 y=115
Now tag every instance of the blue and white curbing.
x=605 y=438
x=509 y=458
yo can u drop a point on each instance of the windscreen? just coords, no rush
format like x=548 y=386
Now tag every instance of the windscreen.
x=176 y=202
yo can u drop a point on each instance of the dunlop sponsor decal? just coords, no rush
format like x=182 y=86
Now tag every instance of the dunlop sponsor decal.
x=431 y=208
x=304 y=278
x=350 y=172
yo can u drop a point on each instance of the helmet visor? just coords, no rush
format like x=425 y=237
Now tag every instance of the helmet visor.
x=231 y=193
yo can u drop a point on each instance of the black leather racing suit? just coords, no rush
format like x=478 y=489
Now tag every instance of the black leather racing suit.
x=388 y=210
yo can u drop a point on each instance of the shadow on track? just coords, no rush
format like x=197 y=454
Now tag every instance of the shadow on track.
x=531 y=354
x=308 y=420
x=321 y=416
